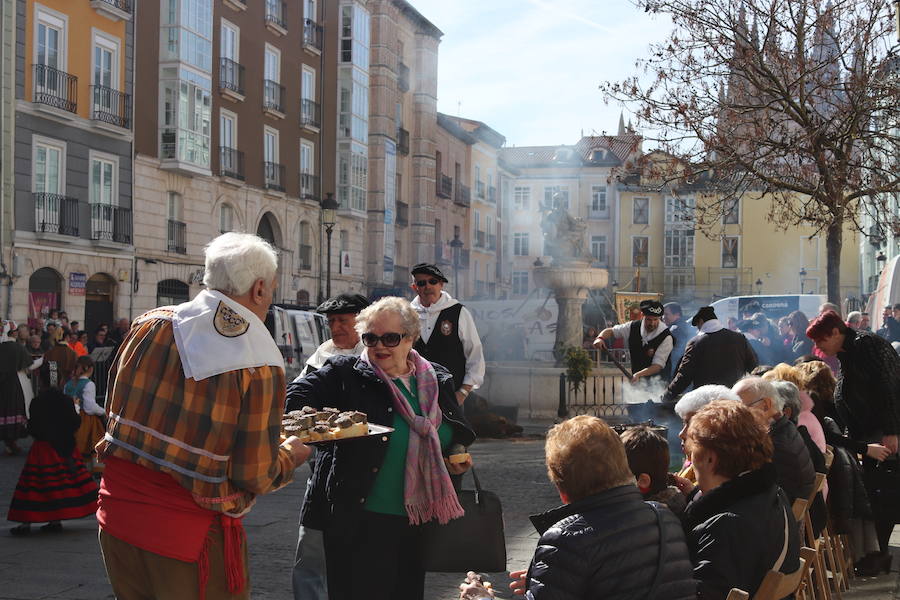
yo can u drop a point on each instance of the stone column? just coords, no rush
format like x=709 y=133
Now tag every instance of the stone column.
x=570 y=281
x=568 y=322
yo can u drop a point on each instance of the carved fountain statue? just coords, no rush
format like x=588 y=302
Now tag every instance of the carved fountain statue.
x=569 y=274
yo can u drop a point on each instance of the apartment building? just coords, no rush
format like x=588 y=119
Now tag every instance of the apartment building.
x=231 y=135
x=69 y=221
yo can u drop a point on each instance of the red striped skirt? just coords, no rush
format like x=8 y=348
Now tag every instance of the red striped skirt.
x=51 y=489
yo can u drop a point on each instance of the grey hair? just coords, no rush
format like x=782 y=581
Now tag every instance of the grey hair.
x=854 y=316
x=235 y=260
x=701 y=396
x=760 y=388
x=409 y=318
x=790 y=397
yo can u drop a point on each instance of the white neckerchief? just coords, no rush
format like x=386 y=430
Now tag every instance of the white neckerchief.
x=646 y=336
x=711 y=326
x=214 y=335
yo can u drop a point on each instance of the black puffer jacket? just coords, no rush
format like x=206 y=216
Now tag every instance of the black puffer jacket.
x=607 y=547
x=736 y=533
x=867 y=396
x=847 y=497
x=796 y=474
x=343 y=474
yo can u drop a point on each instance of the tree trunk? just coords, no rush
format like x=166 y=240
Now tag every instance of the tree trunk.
x=833 y=242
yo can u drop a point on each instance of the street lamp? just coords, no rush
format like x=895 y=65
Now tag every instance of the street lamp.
x=328 y=206
x=802 y=278
x=758 y=287
x=456 y=245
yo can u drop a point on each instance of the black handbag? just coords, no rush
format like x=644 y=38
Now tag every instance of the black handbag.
x=473 y=542
x=883 y=485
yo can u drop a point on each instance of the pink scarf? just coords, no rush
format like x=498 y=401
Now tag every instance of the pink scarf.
x=428 y=492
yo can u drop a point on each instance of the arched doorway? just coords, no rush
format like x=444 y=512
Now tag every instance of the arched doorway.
x=44 y=293
x=269 y=230
x=98 y=301
x=171 y=291
x=303 y=298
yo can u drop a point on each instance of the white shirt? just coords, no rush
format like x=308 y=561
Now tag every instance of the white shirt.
x=468 y=335
x=89 y=400
x=326 y=350
x=662 y=352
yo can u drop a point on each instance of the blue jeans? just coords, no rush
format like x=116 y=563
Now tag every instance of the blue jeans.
x=308 y=577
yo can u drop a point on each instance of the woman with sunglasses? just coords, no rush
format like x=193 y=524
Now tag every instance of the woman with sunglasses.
x=369 y=496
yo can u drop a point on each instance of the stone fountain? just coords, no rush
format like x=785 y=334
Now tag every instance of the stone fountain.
x=569 y=274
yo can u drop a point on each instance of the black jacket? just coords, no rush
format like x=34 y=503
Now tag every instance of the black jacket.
x=606 y=547
x=793 y=465
x=721 y=357
x=736 y=533
x=344 y=473
x=867 y=396
x=847 y=497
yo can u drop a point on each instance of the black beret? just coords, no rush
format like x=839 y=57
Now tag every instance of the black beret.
x=651 y=308
x=706 y=313
x=343 y=304
x=428 y=269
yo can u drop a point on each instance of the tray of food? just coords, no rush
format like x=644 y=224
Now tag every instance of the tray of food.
x=328 y=425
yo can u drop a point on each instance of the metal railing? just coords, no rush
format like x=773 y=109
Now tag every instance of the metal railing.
x=463 y=195
x=275 y=13
x=403 y=77
x=55 y=88
x=273 y=175
x=312 y=35
x=309 y=186
x=111 y=106
x=402 y=141
x=111 y=223
x=231 y=75
x=272 y=94
x=123 y=5
x=444 y=186
x=55 y=213
x=305 y=257
x=310 y=113
x=231 y=163
x=176 y=238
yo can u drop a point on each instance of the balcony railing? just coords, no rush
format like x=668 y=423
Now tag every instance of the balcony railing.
x=110 y=223
x=479 y=239
x=403 y=77
x=463 y=195
x=175 y=237
x=312 y=35
x=479 y=189
x=55 y=88
x=231 y=163
x=117 y=5
x=272 y=94
x=111 y=106
x=273 y=174
x=310 y=114
x=231 y=76
x=309 y=186
x=402 y=141
x=55 y=213
x=492 y=194
x=492 y=241
x=402 y=214
x=444 y=186
x=305 y=257
x=275 y=13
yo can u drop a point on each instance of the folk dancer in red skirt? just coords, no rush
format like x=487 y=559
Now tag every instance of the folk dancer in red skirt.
x=83 y=391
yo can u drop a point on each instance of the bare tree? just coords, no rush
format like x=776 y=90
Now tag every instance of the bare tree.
x=793 y=99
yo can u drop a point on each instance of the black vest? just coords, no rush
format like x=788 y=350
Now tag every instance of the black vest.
x=641 y=353
x=444 y=346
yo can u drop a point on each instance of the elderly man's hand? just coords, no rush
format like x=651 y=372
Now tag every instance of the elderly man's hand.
x=475 y=587
x=299 y=451
x=890 y=442
x=599 y=342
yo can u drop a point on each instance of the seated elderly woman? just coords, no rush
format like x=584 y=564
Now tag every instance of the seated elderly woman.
x=685 y=408
x=605 y=541
x=742 y=525
x=802 y=415
x=368 y=495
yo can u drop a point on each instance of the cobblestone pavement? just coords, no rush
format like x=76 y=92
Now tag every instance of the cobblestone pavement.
x=68 y=565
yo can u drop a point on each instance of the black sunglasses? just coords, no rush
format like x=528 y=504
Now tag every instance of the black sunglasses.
x=388 y=340
x=424 y=282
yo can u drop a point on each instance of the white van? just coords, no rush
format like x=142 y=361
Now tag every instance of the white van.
x=297 y=333
x=774 y=307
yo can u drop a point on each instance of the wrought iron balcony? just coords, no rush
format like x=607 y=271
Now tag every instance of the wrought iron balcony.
x=402 y=214
x=305 y=257
x=55 y=88
x=231 y=163
x=403 y=77
x=463 y=195
x=114 y=9
x=275 y=14
x=55 y=213
x=273 y=174
x=402 y=141
x=176 y=237
x=231 y=76
x=310 y=114
x=272 y=95
x=111 y=106
x=111 y=223
x=444 y=186
x=309 y=186
x=312 y=36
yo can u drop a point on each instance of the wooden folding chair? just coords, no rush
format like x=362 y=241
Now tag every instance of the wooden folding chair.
x=775 y=586
x=835 y=552
x=818 y=546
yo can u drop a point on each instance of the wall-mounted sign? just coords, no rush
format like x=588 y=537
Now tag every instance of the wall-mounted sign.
x=77 y=284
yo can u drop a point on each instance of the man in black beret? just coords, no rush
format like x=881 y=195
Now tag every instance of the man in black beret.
x=341 y=312
x=648 y=339
x=448 y=334
x=715 y=355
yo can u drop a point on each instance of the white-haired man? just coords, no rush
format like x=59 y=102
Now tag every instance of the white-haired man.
x=793 y=465
x=196 y=398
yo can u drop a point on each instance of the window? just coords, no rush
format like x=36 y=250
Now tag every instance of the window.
x=186 y=35
x=306 y=157
x=49 y=166
x=641 y=211
x=521 y=197
x=308 y=181
x=599 y=208
x=106 y=62
x=520 y=282
x=598 y=249
x=174 y=208
x=730 y=252
x=171 y=292
x=311 y=12
x=680 y=211
x=640 y=251
x=308 y=84
x=175 y=230
x=305 y=257
x=679 y=248
x=227 y=129
x=732 y=212
x=226 y=218
x=103 y=179
x=562 y=200
x=50 y=38
x=230 y=43
x=520 y=244
x=270 y=145
x=186 y=116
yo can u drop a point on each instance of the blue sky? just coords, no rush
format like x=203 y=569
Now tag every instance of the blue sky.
x=530 y=68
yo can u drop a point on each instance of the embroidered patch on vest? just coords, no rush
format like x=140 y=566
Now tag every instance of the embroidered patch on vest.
x=446 y=327
x=228 y=322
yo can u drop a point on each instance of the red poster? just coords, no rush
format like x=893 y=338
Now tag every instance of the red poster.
x=39 y=305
